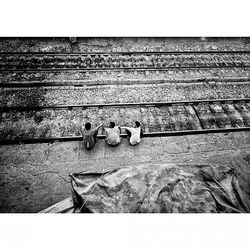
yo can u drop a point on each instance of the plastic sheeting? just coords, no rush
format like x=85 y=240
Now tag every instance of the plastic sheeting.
x=159 y=188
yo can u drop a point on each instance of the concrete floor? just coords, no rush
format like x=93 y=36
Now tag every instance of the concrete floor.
x=35 y=176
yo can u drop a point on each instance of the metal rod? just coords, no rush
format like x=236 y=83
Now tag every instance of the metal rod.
x=128 y=52
x=151 y=134
x=23 y=108
x=124 y=68
x=81 y=83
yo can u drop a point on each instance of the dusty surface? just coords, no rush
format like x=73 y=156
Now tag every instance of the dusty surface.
x=117 y=61
x=161 y=92
x=49 y=123
x=118 y=76
x=34 y=177
x=121 y=44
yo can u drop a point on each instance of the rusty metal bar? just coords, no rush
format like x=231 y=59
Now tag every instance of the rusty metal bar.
x=147 y=104
x=129 y=52
x=122 y=68
x=150 y=134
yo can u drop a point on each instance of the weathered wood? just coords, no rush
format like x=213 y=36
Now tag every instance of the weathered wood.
x=65 y=206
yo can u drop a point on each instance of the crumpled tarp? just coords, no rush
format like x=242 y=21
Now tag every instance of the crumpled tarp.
x=159 y=188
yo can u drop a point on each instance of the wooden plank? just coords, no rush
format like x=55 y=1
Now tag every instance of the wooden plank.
x=65 y=206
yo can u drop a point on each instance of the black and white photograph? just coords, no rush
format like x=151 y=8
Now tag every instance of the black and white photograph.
x=124 y=125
